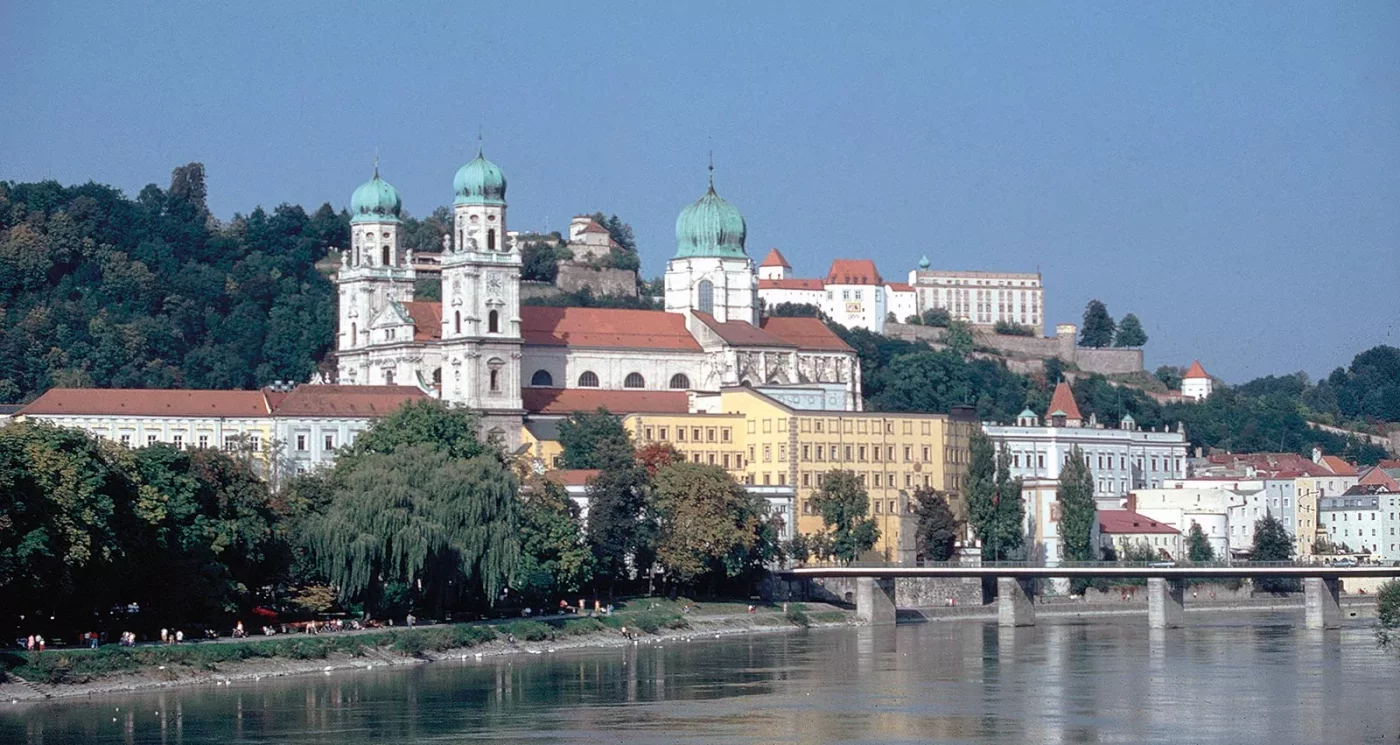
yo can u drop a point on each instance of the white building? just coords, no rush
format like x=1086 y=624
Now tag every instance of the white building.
x=1365 y=518
x=1121 y=459
x=902 y=301
x=589 y=241
x=855 y=295
x=1196 y=384
x=1215 y=509
x=981 y=298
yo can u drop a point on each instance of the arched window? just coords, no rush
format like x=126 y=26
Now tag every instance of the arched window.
x=680 y=382
x=493 y=322
x=457 y=321
x=491 y=239
x=437 y=377
x=384 y=256
x=706 y=302
x=542 y=378
x=634 y=380
x=588 y=379
x=495 y=381
x=388 y=377
x=356 y=262
x=354 y=333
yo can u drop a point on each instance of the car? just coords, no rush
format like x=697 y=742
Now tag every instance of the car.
x=1344 y=563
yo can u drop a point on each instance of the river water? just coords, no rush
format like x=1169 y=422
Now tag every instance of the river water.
x=1238 y=678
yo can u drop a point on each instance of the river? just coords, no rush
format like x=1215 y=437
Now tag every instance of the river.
x=1236 y=678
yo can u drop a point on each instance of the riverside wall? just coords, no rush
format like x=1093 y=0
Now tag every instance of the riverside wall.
x=909 y=592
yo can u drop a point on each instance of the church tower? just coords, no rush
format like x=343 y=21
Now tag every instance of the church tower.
x=376 y=275
x=710 y=272
x=481 y=339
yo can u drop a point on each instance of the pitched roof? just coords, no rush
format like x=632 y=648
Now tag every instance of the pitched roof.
x=611 y=328
x=853 y=272
x=1120 y=522
x=1062 y=403
x=740 y=334
x=1378 y=477
x=791 y=284
x=148 y=402
x=1195 y=371
x=427 y=319
x=775 y=258
x=572 y=476
x=357 y=401
x=566 y=401
x=594 y=227
x=806 y=333
x=899 y=286
x=1338 y=466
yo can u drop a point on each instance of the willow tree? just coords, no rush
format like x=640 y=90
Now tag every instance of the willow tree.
x=418 y=518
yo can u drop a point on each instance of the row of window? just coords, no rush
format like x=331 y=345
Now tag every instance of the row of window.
x=688 y=434
x=589 y=379
x=851 y=453
x=201 y=441
x=493 y=322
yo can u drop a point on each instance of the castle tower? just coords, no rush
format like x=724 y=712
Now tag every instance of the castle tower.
x=710 y=272
x=375 y=276
x=1196 y=384
x=481 y=304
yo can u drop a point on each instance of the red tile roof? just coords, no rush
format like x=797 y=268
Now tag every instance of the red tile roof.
x=427 y=319
x=791 y=284
x=148 y=402
x=1195 y=371
x=807 y=333
x=1378 y=477
x=853 y=272
x=610 y=328
x=1124 y=522
x=775 y=258
x=899 y=286
x=1338 y=466
x=1389 y=463
x=740 y=334
x=1063 y=402
x=594 y=227
x=572 y=476
x=568 y=400
x=357 y=401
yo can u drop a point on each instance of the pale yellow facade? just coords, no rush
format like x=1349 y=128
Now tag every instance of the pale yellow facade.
x=764 y=442
x=1305 y=491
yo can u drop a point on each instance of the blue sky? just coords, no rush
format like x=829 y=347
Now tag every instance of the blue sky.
x=1229 y=172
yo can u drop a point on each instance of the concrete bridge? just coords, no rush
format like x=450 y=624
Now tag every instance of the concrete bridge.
x=1166 y=585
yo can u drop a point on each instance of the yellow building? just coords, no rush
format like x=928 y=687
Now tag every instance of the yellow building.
x=764 y=442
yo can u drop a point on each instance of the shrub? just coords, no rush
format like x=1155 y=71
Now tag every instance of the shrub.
x=1388 y=614
x=530 y=631
x=410 y=643
x=796 y=614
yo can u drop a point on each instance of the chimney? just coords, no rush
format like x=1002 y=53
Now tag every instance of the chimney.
x=1131 y=502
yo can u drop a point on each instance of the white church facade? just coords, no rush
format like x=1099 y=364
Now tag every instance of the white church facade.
x=478 y=347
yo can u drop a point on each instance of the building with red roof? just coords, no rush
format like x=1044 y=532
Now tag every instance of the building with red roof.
x=1196 y=385
x=1124 y=530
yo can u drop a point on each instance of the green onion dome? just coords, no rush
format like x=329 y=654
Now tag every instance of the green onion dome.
x=711 y=227
x=480 y=182
x=923 y=263
x=375 y=201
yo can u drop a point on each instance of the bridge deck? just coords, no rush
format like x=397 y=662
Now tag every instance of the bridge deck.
x=1104 y=570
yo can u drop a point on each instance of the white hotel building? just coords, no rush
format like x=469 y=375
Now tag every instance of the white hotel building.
x=981 y=298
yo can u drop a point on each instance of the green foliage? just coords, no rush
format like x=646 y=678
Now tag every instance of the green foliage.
x=843 y=505
x=796 y=614
x=995 y=512
x=937 y=527
x=1198 y=548
x=1170 y=376
x=582 y=435
x=420 y=515
x=100 y=290
x=709 y=526
x=1098 y=328
x=905 y=376
x=936 y=317
x=796 y=310
x=426 y=422
x=1130 y=333
x=619 y=230
x=554 y=560
x=585 y=298
x=1272 y=543
x=619 y=527
x=891 y=317
x=1077 y=513
x=958 y=338
x=539 y=259
x=1007 y=328
x=1388 y=614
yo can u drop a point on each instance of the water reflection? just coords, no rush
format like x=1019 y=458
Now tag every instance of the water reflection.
x=1243 y=679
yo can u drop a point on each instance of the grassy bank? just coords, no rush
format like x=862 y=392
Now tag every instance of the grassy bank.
x=77 y=666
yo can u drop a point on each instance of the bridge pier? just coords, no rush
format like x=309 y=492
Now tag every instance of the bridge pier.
x=1322 y=608
x=875 y=601
x=1014 y=602
x=1166 y=603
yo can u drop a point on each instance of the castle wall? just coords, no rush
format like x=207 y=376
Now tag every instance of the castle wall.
x=573 y=277
x=1025 y=351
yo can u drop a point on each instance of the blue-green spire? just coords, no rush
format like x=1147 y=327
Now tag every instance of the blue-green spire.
x=923 y=262
x=480 y=182
x=375 y=201
x=711 y=227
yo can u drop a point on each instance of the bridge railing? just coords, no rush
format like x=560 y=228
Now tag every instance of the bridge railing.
x=1076 y=564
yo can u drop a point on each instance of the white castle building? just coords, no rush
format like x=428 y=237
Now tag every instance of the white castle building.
x=478 y=347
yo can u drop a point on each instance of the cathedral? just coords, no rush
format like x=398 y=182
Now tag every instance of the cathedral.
x=480 y=348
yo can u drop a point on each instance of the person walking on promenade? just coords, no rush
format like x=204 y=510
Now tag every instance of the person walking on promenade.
x=31 y=644
x=38 y=639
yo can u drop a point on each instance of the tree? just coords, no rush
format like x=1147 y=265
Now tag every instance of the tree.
x=620 y=532
x=843 y=505
x=937 y=529
x=982 y=500
x=958 y=338
x=423 y=422
x=1054 y=371
x=1077 y=512
x=1272 y=543
x=655 y=456
x=1008 y=328
x=1130 y=333
x=1198 y=548
x=1170 y=375
x=936 y=317
x=1388 y=614
x=418 y=517
x=555 y=560
x=539 y=261
x=582 y=434
x=1098 y=326
x=709 y=527
x=795 y=310
x=1010 y=512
